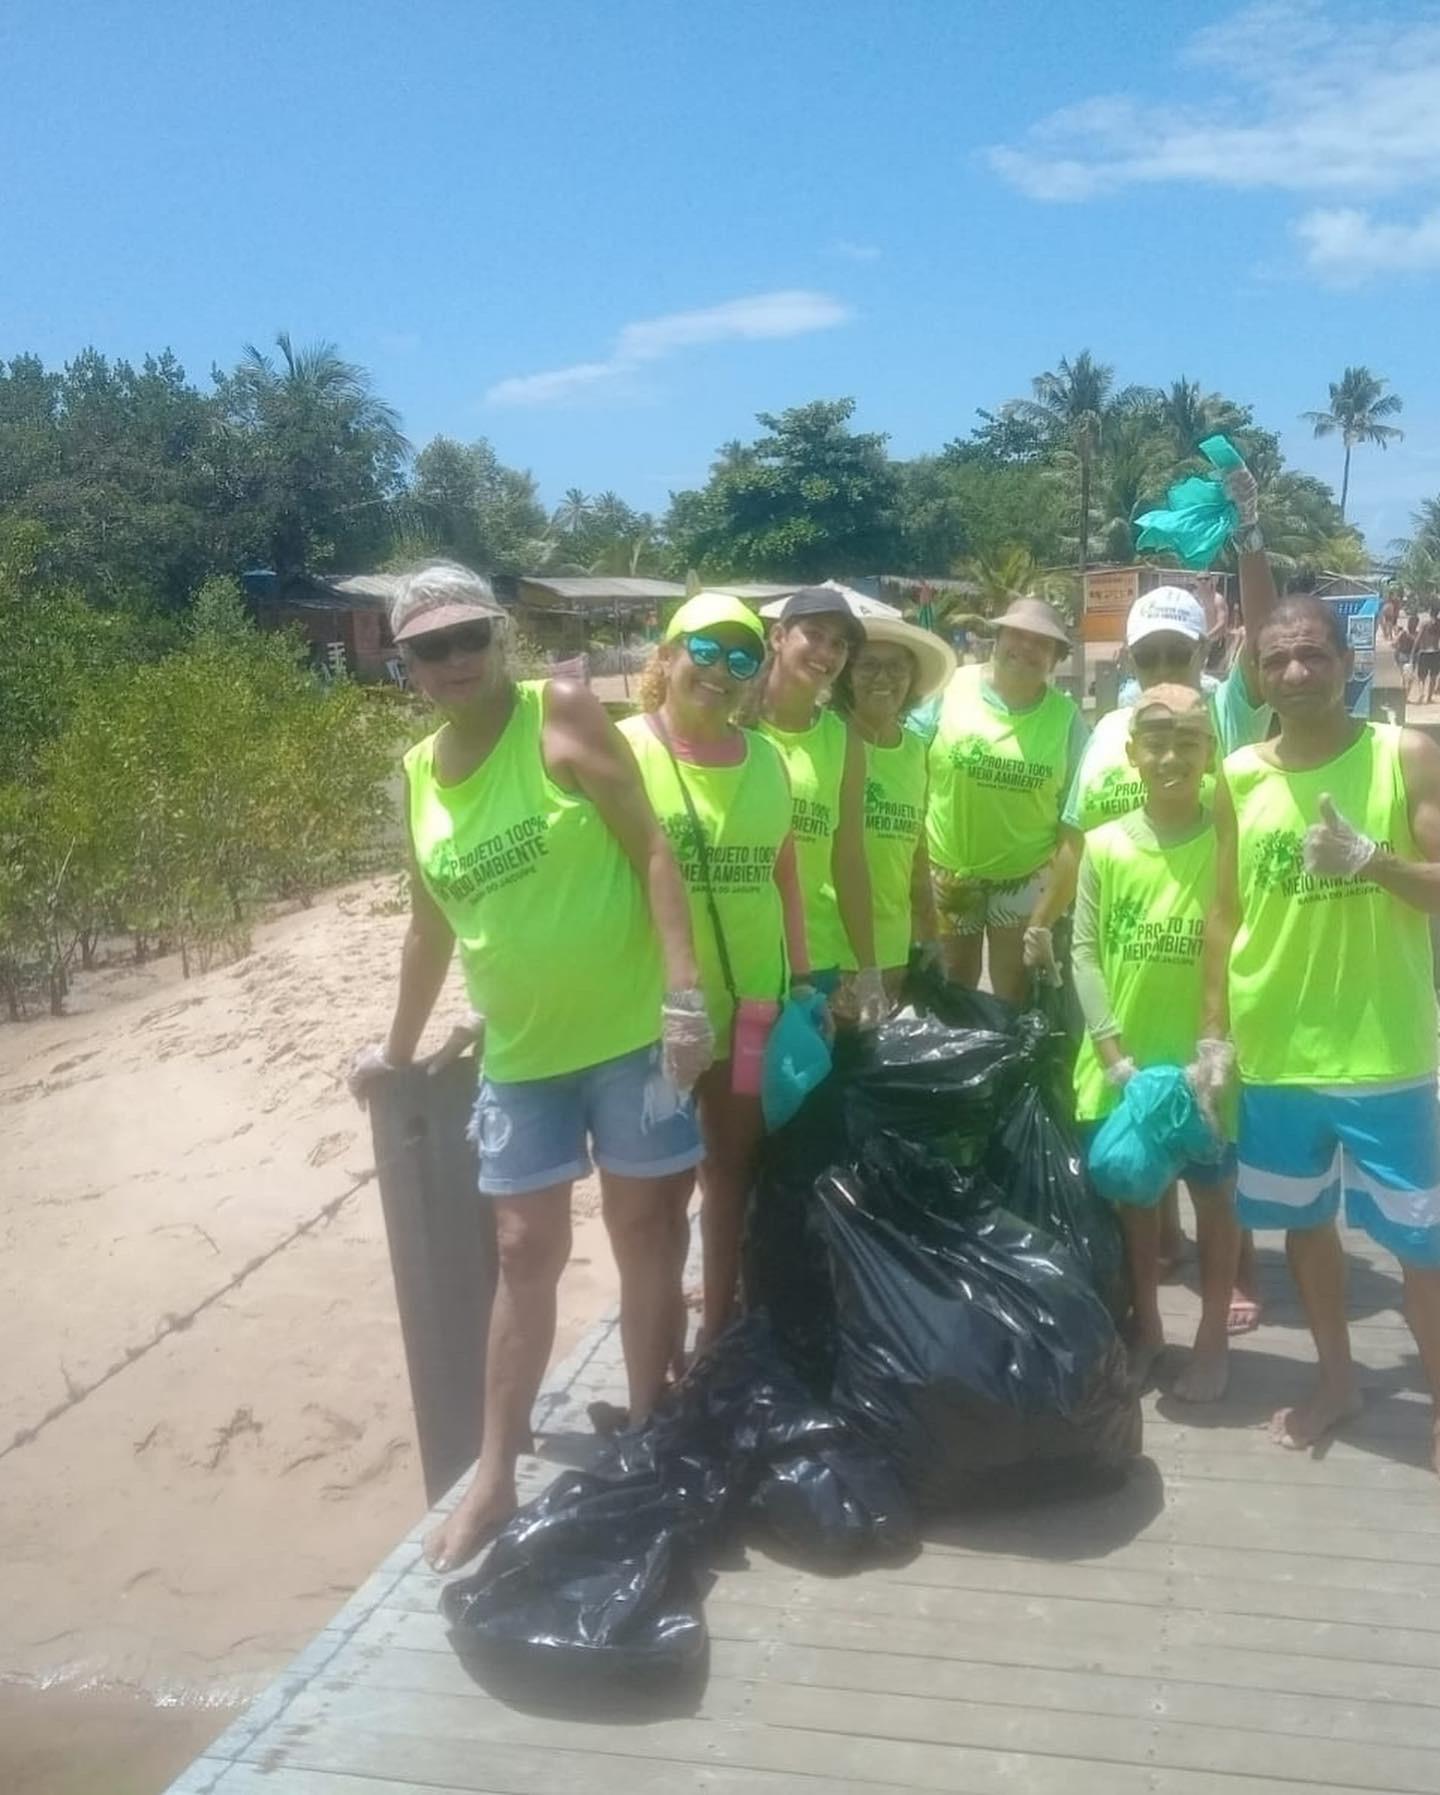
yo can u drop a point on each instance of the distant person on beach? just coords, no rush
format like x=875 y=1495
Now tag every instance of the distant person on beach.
x=1318 y=970
x=1427 y=656
x=532 y=845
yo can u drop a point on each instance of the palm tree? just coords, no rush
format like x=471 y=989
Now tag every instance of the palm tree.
x=320 y=376
x=1001 y=578
x=1358 y=402
x=572 y=514
x=1188 y=415
x=1071 y=405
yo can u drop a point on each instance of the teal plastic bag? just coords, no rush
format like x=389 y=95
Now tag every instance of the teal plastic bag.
x=1156 y=1129
x=797 y=1058
x=1198 y=520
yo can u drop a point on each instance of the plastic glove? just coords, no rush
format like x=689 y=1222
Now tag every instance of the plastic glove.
x=1119 y=1073
x=1039 y=952
x=872 y=1005
x=1210 y=1073
x=928 y=957
x=461 y=1039
x=1335 y=847
x=687 y=1041
x=365 y=1068
x=1243 y=494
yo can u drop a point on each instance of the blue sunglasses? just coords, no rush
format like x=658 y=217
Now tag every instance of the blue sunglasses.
x=741 y=663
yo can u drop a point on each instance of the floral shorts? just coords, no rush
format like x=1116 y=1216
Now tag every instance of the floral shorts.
x=966 y=906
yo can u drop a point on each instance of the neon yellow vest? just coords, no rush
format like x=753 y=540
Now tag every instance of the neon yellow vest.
x=996 y=781
x=1153 y=904
x=1330 y=979
x=895 y=781
x=555 y=936
x=815 y=760
x=744 y=811
x=1108 y=785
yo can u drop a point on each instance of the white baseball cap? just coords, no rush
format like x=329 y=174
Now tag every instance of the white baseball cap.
x=1170 y=610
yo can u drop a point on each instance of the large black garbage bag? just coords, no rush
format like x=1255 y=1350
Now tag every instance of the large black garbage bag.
x=598 y=1572
x=1036 y=1165
x=836 y=1507
x=604 y=1570
x=967 y=1342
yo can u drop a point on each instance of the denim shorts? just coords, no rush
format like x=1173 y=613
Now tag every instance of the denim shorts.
x=543 y=1131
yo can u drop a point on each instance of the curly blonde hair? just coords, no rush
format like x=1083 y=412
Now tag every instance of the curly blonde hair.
x=654 y=680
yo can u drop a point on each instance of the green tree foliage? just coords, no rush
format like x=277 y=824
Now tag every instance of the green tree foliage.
x=478 y=511
x=176 y=795
x=1358 y=407
x=808 y=498
x=312 y=456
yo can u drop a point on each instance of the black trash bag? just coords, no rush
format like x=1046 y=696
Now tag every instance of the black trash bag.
x=836 y=1507
x=605 y=1568
x=968 y=1343
x=1038 y=1169
x=599 y=1572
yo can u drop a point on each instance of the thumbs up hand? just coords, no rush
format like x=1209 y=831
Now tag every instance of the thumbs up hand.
x=1334 y=847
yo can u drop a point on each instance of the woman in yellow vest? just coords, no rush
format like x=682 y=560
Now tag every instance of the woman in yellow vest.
x=897 y=667
x=1004 y=752
x=723 y=798
x=533 y=847
x=810 y=643
x=1147 y=880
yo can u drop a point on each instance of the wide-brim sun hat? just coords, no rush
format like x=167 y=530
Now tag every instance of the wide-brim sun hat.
x=1036 y=618
x=934 y=659
x=706 y=610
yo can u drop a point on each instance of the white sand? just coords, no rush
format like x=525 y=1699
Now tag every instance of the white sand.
x=233 y=1449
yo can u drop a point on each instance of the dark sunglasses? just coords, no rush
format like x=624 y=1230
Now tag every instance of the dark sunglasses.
x=740 y=663
x=1156 y=656
x=465 y=638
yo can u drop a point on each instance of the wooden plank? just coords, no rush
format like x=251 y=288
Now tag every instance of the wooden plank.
x=468 y=1743
x=956 y=1641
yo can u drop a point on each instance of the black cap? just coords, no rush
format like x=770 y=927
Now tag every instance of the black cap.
x=823 y=601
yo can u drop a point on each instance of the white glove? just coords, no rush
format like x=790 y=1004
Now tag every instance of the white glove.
x=1039 y=952
x=1335 y=847
x=460 y=1040
x=365 y=1068
x=1210 y=1073
x=872 y=1005
x=1119 y=1075
x=1243 y=494
x=687 y=1041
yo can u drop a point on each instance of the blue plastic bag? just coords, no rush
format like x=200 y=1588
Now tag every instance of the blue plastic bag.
x=797 y=1058
x=1156 y=1129
x=1198 y=520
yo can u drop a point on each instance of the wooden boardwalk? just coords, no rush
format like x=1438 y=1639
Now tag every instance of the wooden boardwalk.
x=1237 y=1620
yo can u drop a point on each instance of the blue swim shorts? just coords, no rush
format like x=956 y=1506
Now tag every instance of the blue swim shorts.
x=1301 y=1146
x=542 y=1131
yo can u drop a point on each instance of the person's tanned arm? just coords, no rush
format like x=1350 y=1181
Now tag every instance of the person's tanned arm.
x=1415 y=882
x=1223 y=922
x=847 y=859
x=584 y=749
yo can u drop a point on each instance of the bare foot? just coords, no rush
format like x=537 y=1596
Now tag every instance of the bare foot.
x=1308 y=1422
x=1206 y=1373
x=480 y=1514
x=1244 y=1316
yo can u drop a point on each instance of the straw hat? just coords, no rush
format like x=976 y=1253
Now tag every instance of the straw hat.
x=1036 y=618
x=934 y=658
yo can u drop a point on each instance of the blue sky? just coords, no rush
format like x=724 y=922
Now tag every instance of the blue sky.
x=605 y=235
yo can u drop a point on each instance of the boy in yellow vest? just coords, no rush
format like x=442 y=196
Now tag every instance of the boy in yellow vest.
x=1318 y=958
x=1147 y=880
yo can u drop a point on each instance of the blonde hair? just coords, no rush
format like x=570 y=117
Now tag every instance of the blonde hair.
x=654 y=681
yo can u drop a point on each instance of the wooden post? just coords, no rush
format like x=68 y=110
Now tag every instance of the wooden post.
x=442 y=1254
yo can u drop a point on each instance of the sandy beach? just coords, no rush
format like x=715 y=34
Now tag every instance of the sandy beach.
x=205 y=1426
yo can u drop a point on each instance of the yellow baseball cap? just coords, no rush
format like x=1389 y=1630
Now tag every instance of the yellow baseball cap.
x=707 y=609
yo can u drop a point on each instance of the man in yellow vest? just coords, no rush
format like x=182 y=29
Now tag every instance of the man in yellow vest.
x=1318 y=957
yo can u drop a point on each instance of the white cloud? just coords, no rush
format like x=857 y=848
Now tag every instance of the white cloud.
x=1281 y=96
x=1347 y=247
x=790 y=313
